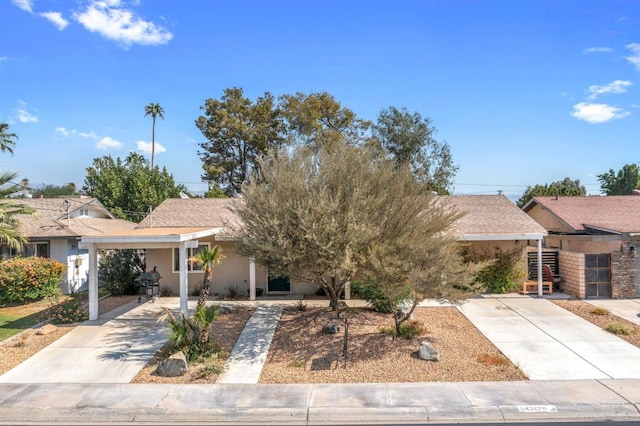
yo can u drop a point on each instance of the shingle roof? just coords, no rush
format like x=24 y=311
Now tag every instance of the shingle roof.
x=51 y=220
x=193 y=212
x=492 y=217
x=616 y=213
x=489 y=216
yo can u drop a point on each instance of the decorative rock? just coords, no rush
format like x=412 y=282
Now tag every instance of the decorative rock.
x=174 y=366
x=331 y=328
x=427 y=352
x=223 y=310
x=47 y=329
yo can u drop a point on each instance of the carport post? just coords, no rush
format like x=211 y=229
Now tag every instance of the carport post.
x=93 y=282
x=184 y=277
x=252 y=279
x=540 y=267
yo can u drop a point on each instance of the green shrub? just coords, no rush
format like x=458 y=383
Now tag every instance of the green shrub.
x=503 y=273
x=191 y=335
x=619 y=328
x=373 y=294
x=28 y=279
x=68 y=312
x=598 y=310
x=408 y=330
x=119 y=270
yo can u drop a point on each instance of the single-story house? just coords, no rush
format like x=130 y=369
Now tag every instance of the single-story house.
x=178 y=228
x=596 y=238
x=56 y=229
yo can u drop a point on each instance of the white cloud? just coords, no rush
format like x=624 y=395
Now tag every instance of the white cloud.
x=597 y=50
x=3 y=58
x=146 y=147
x=73 y=132
x=109 y=19
x=635 y=54
x=56 y=19
x=24 y=116
x=597 y=113
x=617 y=86
x=26 y=5
x=108 y=143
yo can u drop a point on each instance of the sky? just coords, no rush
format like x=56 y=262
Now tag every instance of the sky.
x=525 y=92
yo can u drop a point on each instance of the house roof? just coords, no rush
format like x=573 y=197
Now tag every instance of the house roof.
x=614 y=213
x=51 y=220
x=492 y=217
x=193 y=212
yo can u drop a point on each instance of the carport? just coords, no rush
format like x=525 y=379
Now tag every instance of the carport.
x=147 y=238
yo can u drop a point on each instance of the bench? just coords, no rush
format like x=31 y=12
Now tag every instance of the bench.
x=531 y=287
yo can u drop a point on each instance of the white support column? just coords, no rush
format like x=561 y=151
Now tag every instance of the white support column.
x=252 y=279
x=184 y=279
x=93 y=282
x=540 y=292
x=347 y=290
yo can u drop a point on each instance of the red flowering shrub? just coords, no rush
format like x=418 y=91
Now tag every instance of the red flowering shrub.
x=29 y=278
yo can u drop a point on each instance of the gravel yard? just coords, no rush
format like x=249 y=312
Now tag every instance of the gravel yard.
x=302 y=353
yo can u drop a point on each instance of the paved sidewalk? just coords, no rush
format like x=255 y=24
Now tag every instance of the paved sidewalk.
x=367 y=403
x=249 y=354
x=550 y=343
x=628 y=309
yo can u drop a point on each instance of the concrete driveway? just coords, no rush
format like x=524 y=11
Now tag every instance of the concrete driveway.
x=550 y=343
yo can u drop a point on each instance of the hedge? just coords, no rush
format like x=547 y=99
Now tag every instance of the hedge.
x=28 y=279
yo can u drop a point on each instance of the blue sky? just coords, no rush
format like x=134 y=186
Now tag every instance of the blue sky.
x=525 y=92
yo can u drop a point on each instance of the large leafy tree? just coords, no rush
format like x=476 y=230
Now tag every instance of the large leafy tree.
x=51 y=191
x=7 y=139
x=410 y=140
x=154 y=110
x=129 y=188
x=621 y=183
x=317 y=119
x=329 y=215
x=238 y=132
x=566 y=187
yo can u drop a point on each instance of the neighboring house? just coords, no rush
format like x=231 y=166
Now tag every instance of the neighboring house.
x=187 y=225
x=596 y=238
x=56 y=231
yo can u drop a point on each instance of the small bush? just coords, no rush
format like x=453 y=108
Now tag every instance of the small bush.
x=489 y=359
x=371 y=292
x=619 y=328
x=296 y=364
x=119 y=270
x=67 y=312
x=191 y=335
x=503 y=272
x=300 y=306
x=232 y=291
x=28 y=279
x=408 y=330
x=599 y=311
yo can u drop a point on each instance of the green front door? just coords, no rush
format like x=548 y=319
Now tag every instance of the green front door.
x=279 y=284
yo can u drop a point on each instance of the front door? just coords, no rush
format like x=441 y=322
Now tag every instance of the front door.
x=279 y=284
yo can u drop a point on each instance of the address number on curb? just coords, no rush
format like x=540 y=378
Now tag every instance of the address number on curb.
x=537 y=409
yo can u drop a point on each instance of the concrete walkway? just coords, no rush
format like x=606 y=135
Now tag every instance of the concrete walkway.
x=628 y=309
x=550 y=343
x=111 y=349
x=249 y=354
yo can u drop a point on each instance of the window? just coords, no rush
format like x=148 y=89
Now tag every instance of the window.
x=37 y=248
x=190 y=252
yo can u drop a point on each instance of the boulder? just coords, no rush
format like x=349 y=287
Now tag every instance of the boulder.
x=427 y=352
x=47 y=329
x=174 y=366
x=331 y=328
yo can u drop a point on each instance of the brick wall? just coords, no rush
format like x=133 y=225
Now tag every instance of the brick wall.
x=572 y=270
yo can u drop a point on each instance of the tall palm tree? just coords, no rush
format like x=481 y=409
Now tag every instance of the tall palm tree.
x=10 y=209
x=153 y=109
x=7 y=140
x=208 y=258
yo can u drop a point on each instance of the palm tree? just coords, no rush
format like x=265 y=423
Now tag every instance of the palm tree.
x=208 y=258
x=10 y=209
x=7 y=140
x=153 y=109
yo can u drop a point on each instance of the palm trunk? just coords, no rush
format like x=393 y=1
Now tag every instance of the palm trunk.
x=153 y=140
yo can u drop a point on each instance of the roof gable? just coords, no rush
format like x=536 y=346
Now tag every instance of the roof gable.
x=613 y=214
x=193 y=212
x=57 y=217
x=492 y=217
